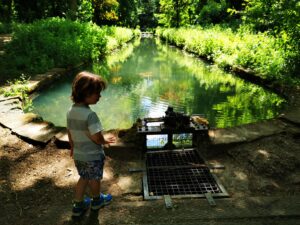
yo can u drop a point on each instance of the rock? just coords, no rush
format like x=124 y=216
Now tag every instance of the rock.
x=292 y=116
x=246 y=133
x=10 y=105
x=37 y=131
x=15 y=120
x=61 y=139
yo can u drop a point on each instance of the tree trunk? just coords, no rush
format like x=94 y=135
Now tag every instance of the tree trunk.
x=72 y=9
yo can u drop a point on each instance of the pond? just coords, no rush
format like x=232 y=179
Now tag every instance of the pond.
x=147 y=76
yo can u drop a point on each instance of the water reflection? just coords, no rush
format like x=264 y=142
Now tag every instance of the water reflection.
x=144 y=78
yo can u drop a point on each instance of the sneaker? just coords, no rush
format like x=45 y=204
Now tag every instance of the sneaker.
x=79 y=208
x=103 y=200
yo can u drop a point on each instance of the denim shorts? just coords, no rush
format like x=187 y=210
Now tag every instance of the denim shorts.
x=91 y=170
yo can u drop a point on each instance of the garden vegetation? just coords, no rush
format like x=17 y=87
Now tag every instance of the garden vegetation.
x=261 y=54
x=261 y=36
x=58 y=42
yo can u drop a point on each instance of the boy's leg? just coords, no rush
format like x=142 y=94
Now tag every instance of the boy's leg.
x=80 y=204
x=95 y=186
x=98 y=199
x=80 y=189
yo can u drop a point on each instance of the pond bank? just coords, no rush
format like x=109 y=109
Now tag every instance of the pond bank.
x=239 y=134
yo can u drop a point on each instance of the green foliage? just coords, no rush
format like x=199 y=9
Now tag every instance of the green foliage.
x=117 y=36
x=280 y=18
x=19 y=87
x=105 y=11
x=85 y=11
x=29 y=11
x=174 y=13
x=261 y=53
x=5 y=28
x=55 y=42
x=127 y=12
x=213 y=12
x=146 y=13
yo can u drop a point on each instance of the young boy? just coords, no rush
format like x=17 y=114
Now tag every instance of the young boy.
x=86 y=140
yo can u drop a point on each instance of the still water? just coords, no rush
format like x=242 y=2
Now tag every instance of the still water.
x=146 y=77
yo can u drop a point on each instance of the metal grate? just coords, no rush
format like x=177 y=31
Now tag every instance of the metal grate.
x=179 y=174
x=185 y=157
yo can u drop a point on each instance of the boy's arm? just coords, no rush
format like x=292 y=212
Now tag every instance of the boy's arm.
x=99 y=139
x=71 y=142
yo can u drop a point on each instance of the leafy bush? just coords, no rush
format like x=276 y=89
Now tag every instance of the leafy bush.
x=5 y=28
x=261 y=53
x=117 y=36
x=213 y=12
x=55 y=42
x=19 y=87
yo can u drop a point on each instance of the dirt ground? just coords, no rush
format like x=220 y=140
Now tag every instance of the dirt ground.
x=36 y=182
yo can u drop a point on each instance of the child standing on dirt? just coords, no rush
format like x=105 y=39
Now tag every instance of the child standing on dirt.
x=86 y=140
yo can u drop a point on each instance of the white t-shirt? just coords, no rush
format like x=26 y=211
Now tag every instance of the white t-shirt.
x=81 y=123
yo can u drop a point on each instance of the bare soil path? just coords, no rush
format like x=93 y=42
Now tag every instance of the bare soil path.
x=262 y=178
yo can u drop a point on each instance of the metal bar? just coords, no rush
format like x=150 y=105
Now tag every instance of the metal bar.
x=171 y=151
x=218 y=195
x=210 y=199
x=220 y=185
x=168 y=201
x=179 y=167
x=218 y=167
x=136 y=170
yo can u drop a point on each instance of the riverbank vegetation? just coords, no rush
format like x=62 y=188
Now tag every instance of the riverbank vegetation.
x=260 y=36
x=56 y=42
x=263 y=54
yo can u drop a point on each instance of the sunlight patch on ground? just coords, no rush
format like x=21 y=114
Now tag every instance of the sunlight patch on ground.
x=108 y=173
x=240 y=175
x=241 y=204
x=264 y=153
x=60 y=171
x=125 y=182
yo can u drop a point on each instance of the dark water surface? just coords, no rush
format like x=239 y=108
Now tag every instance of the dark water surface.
x=144 y=78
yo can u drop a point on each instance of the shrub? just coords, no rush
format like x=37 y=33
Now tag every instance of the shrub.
x=56 y=42
x=262 y=53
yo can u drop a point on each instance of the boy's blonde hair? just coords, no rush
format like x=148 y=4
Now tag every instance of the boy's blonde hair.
x=86 y=84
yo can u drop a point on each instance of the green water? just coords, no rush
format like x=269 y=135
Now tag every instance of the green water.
x=145 y=78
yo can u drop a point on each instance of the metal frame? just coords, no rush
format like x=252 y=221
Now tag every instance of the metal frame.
x=147 y=195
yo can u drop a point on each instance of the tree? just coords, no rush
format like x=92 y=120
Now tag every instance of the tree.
x=5 y=10
x=105 y=11
x=72 y=12
x=127 y=13
x=282 y=19
x=146 y=13
x=174 y=13
x=28 y=11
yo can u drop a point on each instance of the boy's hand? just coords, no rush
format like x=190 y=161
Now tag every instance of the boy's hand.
x=110 y=140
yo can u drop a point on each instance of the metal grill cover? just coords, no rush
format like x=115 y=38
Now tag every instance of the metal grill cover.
x=179 y=173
